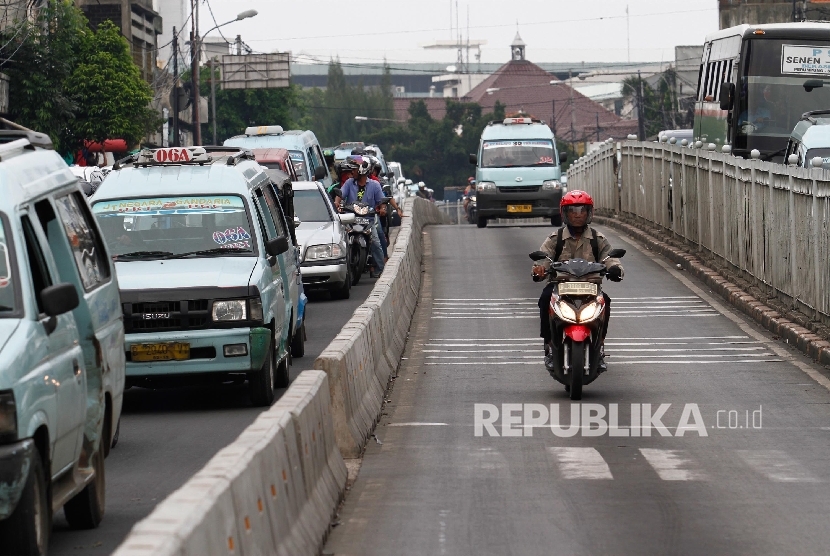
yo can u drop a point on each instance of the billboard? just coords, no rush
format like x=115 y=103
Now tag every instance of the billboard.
x=256 y=71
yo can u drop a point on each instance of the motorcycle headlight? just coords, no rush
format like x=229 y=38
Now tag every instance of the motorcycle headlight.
x=551 y=185
x=320 y=252
x=589 y=312
x=8 y=416
x=361 y=210
x=230 y=310
x=473 y=198
x=485 y=186
x=565 y=311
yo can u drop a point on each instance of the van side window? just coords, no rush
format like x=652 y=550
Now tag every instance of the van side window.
x=41 y=278
x=320 y=156
x=265 y=215
x=276 y=211
x=316 y=161
x=84 y=240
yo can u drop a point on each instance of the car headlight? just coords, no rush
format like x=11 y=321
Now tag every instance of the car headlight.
x=485 y=186
x=565 y=311
x=319 y=252
x=230 y=310
x=551 y=185
x=589 y=312
x=8 y=416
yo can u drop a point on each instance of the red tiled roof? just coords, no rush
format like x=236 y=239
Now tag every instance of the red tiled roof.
x=524 y=86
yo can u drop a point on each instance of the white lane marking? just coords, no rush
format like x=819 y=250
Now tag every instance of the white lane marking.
x=479 y=351
x=808 y=369
x=483 y=304
x=416 y=424
x=670 y=465
x=617 y=363
x=480 y=312
x=661 y=311
x=688 y=338
x=648 y=298
x=581 y=463
x=617 y=315
x=479 y=357
x=667 y=362
x=677 y=343
x=712 y=314
x=489 y=317
x=664 y=302
x=702 y=355
x=485 y=299
x=482 y=339
x=677 y=350
x=536 y=343
x=777 y=466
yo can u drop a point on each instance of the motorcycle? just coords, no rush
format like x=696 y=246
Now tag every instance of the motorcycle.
x=360 y=236
x=472 y=213
x=577 y=315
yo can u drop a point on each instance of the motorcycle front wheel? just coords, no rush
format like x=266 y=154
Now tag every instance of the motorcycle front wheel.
x=577 y=369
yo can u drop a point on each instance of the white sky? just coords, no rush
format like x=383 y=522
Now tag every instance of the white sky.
x=554 y=30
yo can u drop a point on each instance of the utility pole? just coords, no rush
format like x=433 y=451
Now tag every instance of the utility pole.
x=213 y=96
x=553 y=116
x=195 y=50
x=239 y=45
x=573 y=112
x=175 y=88
x=641 y=124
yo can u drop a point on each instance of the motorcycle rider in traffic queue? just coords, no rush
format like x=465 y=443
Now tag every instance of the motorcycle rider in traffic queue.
x=574 y=240
x=367 y=191
x=469 y=191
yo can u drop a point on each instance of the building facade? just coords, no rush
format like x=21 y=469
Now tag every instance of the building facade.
x=753 y=12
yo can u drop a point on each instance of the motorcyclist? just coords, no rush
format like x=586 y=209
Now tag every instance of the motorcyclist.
x=469 y=191
x=368 y=191
x=575 y=240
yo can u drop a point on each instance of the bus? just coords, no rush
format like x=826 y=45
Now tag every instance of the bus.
x=756 y=81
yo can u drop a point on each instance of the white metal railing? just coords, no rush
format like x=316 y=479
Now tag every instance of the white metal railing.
x=770 y=221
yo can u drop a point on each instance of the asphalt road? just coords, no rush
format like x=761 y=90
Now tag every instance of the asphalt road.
x=168 y=435
x=757 y=485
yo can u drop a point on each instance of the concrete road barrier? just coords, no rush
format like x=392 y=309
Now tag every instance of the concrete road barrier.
x=362 y=358
x=274 y=490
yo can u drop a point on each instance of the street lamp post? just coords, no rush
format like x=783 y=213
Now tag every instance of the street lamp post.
x=196 y=46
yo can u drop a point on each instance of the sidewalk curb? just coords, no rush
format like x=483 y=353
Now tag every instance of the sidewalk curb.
x=794 y=334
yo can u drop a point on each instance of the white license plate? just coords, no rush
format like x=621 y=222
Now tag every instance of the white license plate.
x=577 y=288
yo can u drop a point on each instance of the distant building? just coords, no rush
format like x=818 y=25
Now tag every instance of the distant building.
x=138 y=22
x=174 y=14
x=524 y=87
x=737 y=12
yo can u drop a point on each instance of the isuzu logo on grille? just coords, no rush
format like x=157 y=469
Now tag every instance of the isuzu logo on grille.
x=519 y=179
x=154 y=316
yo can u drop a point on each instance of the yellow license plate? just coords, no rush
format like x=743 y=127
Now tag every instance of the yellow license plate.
x=577 y=288
x=173 y=351
x=519 y=208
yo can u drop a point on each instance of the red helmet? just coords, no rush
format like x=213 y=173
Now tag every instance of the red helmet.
x=576 y=197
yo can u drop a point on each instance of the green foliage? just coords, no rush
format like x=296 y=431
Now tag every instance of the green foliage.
x=41 y=55
x=436 y=151
x=72 y=83
x=111 y=98
x=659 y=105
x=237 y=109
x=331 y=113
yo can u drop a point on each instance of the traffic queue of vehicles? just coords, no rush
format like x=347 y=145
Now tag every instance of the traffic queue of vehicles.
x=185 y=265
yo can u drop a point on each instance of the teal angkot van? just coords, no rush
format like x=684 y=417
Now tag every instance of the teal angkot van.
x=517 y=172
x=61 y=349
x=197 y=234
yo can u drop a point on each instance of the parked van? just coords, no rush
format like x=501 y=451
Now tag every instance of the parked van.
x=61 y=351
x=303 y=146
x=201 y=285
x=517 y=171
x=810 y=139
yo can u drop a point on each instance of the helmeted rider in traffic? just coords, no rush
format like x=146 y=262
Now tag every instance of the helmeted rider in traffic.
x=368 y=191
x=574 y=240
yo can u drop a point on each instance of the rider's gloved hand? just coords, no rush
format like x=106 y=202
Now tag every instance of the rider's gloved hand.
x=614 y=273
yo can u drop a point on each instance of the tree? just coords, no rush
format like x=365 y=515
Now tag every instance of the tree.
x=237 y=109
x=660 y=109
x=39 y=56
x=111 y=99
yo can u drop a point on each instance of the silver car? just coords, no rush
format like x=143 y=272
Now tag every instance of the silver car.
x=321 y=234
